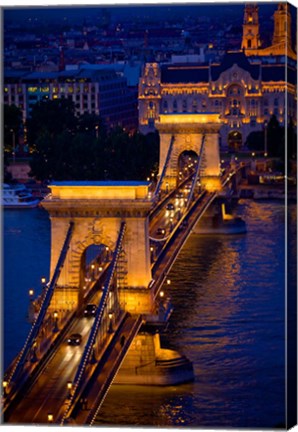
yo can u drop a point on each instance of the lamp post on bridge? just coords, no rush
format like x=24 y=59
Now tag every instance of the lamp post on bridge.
x=4 y=385
x=56 y=329
x=110 y=330
x=69 y=388
x=92 y=271
x=43 y=282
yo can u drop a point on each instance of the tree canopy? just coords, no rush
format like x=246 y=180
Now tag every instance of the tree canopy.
x=66 y=147
x=12 y=116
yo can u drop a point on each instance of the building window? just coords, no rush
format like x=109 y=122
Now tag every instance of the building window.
x=253 y=123
x=184 y=106
x=175 y=106
x=276 y=102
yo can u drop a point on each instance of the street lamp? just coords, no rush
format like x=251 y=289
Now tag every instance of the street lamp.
x=50 y=418
x=110 y=322
x=92 y=268
x=56 y=329
x=168 y=281
x=31 y=294
x=34 y=357
x=69 y=387
x=4 y=385
x=161 y=294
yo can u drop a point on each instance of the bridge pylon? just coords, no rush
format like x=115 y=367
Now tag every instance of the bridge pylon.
x=97 y=210
x=188 y=131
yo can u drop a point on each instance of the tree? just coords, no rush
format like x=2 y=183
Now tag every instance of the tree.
x=12 y=117
x=292 y=140
x=276 y=139
x=52 y=116
x=69 y=148
x=255 y=141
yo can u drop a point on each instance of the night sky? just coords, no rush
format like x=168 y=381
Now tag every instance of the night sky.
x=157 y=12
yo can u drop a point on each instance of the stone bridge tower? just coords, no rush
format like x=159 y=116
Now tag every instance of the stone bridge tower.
x=188 y=131
x=97 y=210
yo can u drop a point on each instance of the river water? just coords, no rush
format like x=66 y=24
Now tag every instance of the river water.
x=228 y=294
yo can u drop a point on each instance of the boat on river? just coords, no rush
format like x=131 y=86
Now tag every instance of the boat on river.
x=17 y=196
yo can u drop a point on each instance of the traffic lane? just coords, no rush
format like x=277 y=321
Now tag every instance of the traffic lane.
x=167 y=219
x=115 y=353
x=44 y=397
x=175 y=243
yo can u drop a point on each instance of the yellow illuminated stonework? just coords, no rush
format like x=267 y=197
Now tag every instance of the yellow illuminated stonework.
x=97 y=212
x=181 y=119
x=99 y=191
x=189 y=131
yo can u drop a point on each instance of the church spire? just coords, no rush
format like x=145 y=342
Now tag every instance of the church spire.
x=282 y=25
x=251 y=37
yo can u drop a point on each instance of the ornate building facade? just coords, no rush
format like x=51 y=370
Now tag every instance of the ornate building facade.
x=246 y=88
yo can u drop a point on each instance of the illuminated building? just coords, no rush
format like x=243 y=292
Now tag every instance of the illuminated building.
x=246 y=88
x=100 y=92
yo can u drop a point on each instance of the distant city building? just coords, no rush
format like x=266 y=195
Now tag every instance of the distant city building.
x=246 y=87
x=95 y=91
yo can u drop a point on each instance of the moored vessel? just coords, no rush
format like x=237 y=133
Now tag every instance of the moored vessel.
x=17 y=196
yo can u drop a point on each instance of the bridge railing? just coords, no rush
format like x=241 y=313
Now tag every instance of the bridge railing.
x=101 y=313
x=94 y=409
x=28 y=347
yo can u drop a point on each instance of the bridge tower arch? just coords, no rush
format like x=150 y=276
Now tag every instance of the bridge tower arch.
x=188 y=132
x=97 y=210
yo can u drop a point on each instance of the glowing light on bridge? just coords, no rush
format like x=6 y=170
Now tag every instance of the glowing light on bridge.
x=4 y=385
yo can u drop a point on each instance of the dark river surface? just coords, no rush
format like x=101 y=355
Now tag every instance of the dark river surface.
x=228 y=294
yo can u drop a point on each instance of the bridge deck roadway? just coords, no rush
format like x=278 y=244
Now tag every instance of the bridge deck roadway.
x=174 y=244
x=102 y=378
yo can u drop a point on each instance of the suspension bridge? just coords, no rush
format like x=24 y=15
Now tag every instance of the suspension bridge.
x=69 y=360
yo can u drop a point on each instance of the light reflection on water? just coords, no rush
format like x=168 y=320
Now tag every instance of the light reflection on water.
x=228 y=296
